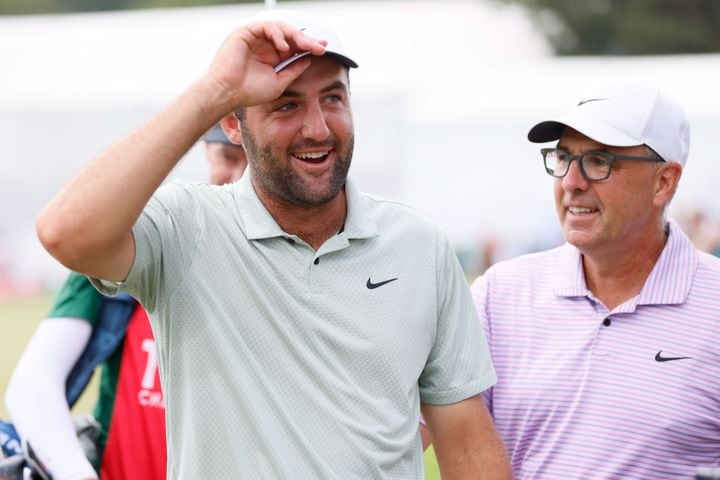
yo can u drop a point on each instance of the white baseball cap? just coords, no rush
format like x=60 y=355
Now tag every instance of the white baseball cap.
x=625 y=114
x=312 y=27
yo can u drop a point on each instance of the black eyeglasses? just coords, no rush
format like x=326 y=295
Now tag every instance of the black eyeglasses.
x=595 y=165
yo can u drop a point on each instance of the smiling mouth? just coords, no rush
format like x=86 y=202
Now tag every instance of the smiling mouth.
x=312 y=157
x=581 y=210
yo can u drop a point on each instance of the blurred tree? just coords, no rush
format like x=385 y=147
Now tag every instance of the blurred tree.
x=15 y=7
x=93 y=5
x=628 y=27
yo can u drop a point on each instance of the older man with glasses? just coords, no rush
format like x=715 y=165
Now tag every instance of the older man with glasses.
x=606 y=348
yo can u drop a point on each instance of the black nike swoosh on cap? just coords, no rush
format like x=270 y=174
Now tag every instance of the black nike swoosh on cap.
x=660 y=358
x=583 y=102
x=370 y=285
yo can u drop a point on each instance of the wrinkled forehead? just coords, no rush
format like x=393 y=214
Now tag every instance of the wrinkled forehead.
x=322 y=73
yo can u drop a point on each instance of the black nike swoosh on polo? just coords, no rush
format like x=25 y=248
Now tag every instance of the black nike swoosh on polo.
x=660 y=358
x=370 y=285
x=583 y=102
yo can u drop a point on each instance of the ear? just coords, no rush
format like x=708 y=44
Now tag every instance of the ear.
x=231 y=126
x=666 y=182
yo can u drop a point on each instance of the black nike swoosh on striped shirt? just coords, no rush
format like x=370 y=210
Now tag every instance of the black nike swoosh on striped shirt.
x=660 y=358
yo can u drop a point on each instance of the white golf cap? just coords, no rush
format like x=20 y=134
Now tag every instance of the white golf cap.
x=625 y=114
x=312 y=27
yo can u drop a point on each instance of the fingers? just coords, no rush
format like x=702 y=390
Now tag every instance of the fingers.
x=288 y=74
x=274 y=33
x=286 y=38
x=299 y=42
x=245 y=66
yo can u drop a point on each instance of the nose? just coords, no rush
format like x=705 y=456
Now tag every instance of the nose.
x=315 y=124
x=574 y=179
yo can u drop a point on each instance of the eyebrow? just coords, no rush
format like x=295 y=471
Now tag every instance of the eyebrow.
x=604 y=148
x=336 y=85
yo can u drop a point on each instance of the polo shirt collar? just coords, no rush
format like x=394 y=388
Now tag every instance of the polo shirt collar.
x=259 y=224
x=360 y=220
x=571 y=277
x=668 y=283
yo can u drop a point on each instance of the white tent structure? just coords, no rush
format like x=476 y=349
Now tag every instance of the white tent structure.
x=443 y=98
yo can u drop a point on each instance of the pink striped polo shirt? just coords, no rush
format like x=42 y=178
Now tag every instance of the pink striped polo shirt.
x=584 y=392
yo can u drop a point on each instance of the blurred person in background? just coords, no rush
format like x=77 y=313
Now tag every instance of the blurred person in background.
x=704 y=231
x=227 y=160
x=86 y=329
x=282 y=304
x=606 y=348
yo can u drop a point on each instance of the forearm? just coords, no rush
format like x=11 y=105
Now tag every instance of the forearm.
x=35 y=397
x=465 y=441
x=89 y=221
x=88 y=225
x=486 y=460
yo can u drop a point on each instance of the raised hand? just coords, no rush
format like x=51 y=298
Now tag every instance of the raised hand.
x=243 y=68
x=241 y=74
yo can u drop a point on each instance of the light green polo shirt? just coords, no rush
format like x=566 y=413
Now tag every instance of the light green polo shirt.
x=278 y=361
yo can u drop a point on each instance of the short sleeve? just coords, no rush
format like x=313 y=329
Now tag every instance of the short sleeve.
x=479 y=291
x=459 y=365
x=166 y=235
x=77 y=299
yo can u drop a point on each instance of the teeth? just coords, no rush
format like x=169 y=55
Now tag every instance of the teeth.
x=580 y=210
x=309 y=156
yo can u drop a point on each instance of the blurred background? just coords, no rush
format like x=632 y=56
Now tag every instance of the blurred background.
x=444 y=96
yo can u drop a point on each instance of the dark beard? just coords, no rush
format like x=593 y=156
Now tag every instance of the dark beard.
x=284 y=183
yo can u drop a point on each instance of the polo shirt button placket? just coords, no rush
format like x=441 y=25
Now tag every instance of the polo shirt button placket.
x=600 y=333
x=313 y=280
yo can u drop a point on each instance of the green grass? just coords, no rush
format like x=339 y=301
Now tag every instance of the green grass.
x=431 y=468
x=18 y=319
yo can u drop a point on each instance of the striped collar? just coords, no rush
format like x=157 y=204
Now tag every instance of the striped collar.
x=668 y=283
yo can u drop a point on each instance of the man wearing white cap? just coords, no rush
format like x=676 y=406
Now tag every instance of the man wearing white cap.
x=606 y=347
x=300 y=324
